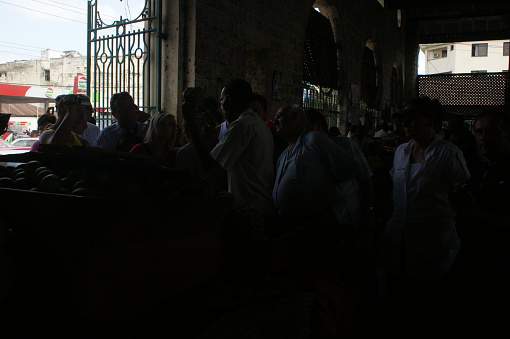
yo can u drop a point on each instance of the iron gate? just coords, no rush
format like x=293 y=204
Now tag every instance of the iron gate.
x=124 y=56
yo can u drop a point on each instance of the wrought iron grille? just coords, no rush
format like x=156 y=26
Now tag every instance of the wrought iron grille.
x=320 y=98
x=124 y=56
x=467 y=93
x=320 y=64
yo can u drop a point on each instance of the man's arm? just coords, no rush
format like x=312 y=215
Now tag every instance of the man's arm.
x=199 y=143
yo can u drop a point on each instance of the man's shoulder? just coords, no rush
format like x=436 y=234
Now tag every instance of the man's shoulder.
x=314 y=136
x=110 y=128
x=93 y=127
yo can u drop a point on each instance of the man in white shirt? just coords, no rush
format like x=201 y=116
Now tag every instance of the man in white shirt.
x=92 y=132
x=246 y=152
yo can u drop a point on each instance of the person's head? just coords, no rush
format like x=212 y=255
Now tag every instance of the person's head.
x=334 y=131
x=421 y=118
x=361 y=131
x=63 y=105
x=259 y=105
x=210 y=104
x=4 y=122
x=455 y=124
x=492 y=132
x=162 y=126
x=235 y=98
x=290 y=122
x=124 y=109
x=89 y=110
x=316 y=121
x=45 y=120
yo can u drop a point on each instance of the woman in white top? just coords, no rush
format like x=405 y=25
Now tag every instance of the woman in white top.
x=420 y=242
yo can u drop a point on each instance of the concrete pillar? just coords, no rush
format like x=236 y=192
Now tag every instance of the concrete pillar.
x=171 y=73
x=412 y=49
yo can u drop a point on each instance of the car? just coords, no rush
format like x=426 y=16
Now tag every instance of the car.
x=24 y=142
x=8 y=148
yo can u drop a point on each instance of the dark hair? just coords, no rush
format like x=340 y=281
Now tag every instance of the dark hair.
x=333 y=131
x=46 y=118
x=261 y=99
x=114 y=100
x=315 y=116
x=240 y=91
x=79 y=99
x=429 y=108
x=211 y=104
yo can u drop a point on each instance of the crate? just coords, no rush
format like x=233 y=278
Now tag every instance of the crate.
x=107 y=258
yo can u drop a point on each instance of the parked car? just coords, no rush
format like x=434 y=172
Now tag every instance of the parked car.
x=24 y=142
x=8 y=148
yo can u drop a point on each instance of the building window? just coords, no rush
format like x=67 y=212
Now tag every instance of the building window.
x=506 y=48
x=46 y=75
x=480 y=71
x=452 y=47
x=444 y=53
x=479 y=50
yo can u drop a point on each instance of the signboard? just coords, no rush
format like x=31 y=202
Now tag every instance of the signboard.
x=80 y=83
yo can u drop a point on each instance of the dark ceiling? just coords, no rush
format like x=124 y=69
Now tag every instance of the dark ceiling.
x=454 y=20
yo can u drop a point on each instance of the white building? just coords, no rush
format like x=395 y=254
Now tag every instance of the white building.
x=467 y=57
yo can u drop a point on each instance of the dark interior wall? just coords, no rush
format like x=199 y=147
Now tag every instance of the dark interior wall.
x=355 y=23
x=251 y=39
x=254 y=39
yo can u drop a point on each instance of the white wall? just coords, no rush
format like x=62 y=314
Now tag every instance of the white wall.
x=493 y=62
x=459 y=60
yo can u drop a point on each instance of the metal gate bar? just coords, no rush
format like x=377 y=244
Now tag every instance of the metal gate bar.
x=122 y=58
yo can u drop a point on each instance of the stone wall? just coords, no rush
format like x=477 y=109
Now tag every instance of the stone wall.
x=221 y=40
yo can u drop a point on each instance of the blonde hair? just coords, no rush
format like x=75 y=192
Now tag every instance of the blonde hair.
x=151 y=134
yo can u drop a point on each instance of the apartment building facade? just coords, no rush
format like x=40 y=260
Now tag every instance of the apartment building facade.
x=467 y=57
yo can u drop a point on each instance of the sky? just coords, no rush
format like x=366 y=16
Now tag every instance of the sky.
x=29 y=26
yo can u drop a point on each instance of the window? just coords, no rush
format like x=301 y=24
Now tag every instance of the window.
x=480 y=71
x=452 y=47
x=479 y=50
x=46 y=75
x=444 y=53
x=506 y=48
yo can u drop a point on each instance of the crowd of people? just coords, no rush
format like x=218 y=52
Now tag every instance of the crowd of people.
x=426 y=275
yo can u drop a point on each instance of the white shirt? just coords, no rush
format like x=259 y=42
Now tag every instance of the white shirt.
x=381 y=134
x=306 y=177
x=111 y=135
x=247 y=155
x=422 y=215
x=223 y=130
x=91 y=134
